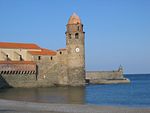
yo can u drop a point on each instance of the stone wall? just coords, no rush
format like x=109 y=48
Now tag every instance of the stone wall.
x=53 y=71
x=45 y=73
x=17 y=80
x=76 y=76
x=46 y=78
x=106 y=77
x=3 y=82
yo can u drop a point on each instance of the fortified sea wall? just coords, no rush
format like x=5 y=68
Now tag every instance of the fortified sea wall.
x=29 y=80
x=32 y=75
x=106 y=77
x=46 y=74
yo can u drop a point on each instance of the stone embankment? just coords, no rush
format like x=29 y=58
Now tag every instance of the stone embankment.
x=56 y=77
x=106 y=77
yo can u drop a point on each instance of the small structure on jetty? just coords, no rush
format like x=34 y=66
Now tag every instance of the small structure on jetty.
x=28 y=65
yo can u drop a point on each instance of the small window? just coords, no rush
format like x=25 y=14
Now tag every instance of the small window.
x=39 y=57
x=51 y=58
x=69 y=36
x=21 y=59
x=78 y=28
x=76 y=36
x=60 y=52
x=7 y=58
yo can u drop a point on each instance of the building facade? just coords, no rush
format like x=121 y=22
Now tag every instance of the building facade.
x=28 y=65
x=25 y=64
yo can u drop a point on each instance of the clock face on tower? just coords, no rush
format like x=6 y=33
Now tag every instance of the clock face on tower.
x=77 y=49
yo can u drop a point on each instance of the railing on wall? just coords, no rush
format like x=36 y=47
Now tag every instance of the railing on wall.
x=17 y=68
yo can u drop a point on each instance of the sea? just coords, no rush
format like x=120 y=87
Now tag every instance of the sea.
x=134 y=94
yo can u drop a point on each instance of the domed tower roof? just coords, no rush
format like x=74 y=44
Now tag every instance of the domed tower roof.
x=74 y=19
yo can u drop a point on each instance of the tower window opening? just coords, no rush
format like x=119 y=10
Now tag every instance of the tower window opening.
x=60 y=52
x=78 y=28
x=39 y=57
x=51 y=58
x=76 y=36
x=69 y=36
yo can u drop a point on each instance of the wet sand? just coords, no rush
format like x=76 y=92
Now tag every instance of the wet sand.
x=7 y=106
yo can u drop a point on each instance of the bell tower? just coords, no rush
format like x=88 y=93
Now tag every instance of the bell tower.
x=75 y=51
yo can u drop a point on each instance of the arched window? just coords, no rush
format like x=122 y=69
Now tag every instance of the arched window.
x=60 y=52
x=76 y=36
x=69 y=36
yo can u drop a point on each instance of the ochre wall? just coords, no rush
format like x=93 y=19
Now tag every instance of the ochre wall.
x=13 y=54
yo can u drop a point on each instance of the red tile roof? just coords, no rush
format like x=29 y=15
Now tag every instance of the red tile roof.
x=18 y=45
x=43 y=52
x=17 y=62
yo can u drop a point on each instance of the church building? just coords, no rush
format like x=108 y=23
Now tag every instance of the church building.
x=28 y=65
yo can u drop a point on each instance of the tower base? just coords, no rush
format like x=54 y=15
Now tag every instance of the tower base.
x=76 y=77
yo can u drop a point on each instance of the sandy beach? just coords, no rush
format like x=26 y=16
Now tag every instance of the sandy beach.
x=7 y=106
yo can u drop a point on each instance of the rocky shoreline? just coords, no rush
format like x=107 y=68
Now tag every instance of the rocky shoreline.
x=8 y=106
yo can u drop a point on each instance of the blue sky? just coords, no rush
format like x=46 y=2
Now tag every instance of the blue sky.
x=117 y=31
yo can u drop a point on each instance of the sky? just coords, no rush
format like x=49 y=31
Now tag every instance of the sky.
x=117 y=32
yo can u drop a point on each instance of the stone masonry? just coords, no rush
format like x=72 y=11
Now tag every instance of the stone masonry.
x=28 y=65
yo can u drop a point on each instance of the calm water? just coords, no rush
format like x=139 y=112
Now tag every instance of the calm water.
x=136 y=94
